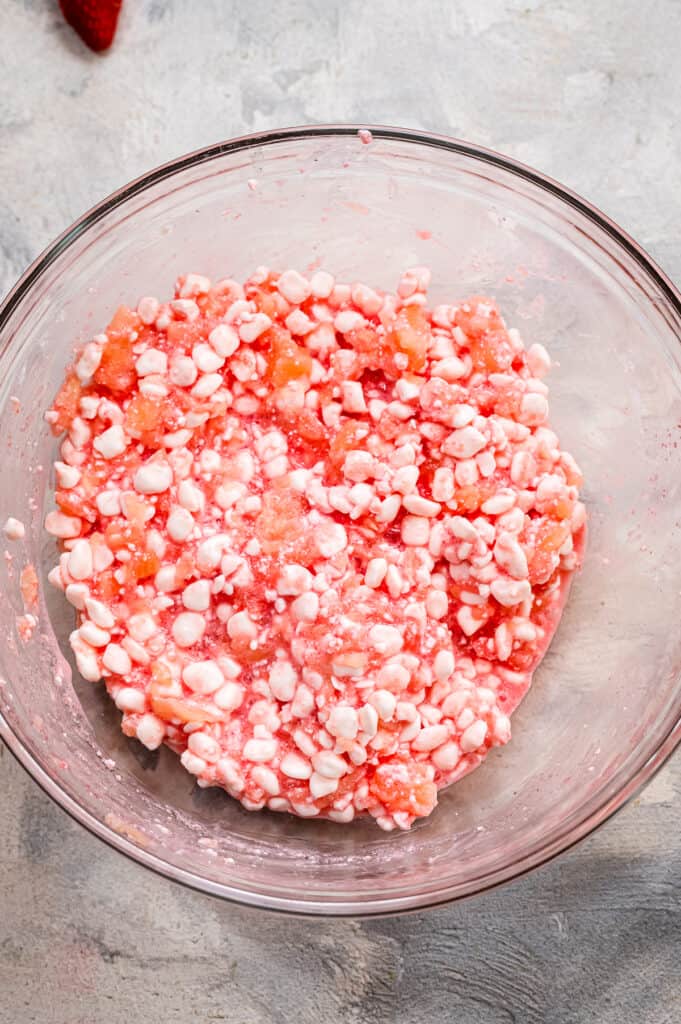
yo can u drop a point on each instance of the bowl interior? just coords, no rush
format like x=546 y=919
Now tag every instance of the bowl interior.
x=607 y=694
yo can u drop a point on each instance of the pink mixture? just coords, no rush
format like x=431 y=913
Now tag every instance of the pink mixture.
x=318 y=536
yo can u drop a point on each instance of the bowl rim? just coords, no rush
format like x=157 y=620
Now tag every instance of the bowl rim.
x=573 y=832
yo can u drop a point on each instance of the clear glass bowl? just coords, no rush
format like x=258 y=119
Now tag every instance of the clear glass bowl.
x=604 y=711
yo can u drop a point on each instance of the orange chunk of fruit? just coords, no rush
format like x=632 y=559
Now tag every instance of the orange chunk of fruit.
x=286 y=360
x=116 y=370
x=309 y=427
x=124 y=323
x=162 y=684
x=66 y=404
x=306 y=434
x=121 y=534
x=400 y=786
x=552 y=535
x=411 y=334
x=347 y=784
x=490 y=348
x=183 y=335
x=507 y=400
x=351 y=436
x=108 y=587
x=561 y=507
x=268 y=300
x=470 y=497
x=142 y=565
x=143 y=417
x=175 y=708
x=135 y=509
x=265 y=301
x=491 y=351
x=548 y=538
x=363 y=339
x=184 y=567
x=247 y=655
x=376 y=352
x=73 y=504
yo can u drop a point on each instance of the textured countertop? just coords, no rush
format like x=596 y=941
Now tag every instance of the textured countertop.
x=585 y=94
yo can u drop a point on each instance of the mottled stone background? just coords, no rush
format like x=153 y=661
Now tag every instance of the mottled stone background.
x=589 y=92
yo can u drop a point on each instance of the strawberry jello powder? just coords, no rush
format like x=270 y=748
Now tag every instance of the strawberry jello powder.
x=318 y=536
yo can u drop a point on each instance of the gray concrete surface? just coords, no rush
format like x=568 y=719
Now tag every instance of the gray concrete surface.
x=585 y=90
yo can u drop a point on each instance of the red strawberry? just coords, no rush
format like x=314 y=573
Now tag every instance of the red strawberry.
x=94 y=20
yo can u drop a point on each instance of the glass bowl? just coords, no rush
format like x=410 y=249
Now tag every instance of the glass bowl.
x=604 y=711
